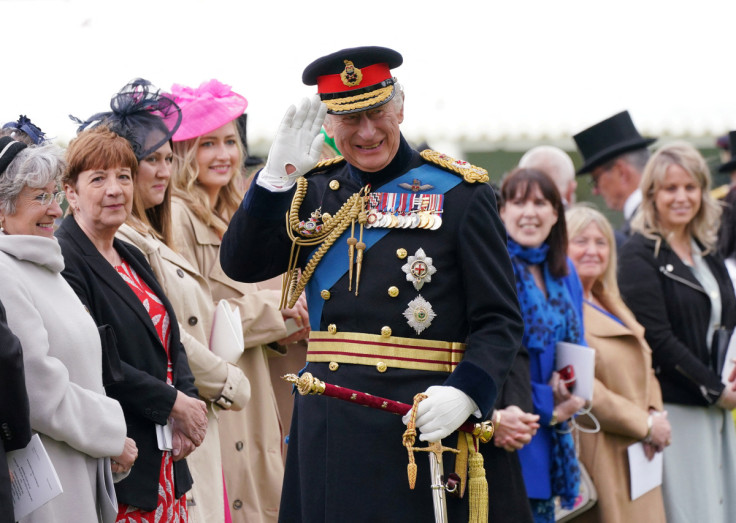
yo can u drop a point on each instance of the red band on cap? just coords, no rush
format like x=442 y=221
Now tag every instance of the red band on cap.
x=372 y=74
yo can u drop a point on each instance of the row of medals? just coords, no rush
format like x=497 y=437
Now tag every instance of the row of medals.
x=383 y=212
x=413 y=220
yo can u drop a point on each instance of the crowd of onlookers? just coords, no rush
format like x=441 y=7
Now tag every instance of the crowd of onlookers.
x=108 y=308
x=658 y=307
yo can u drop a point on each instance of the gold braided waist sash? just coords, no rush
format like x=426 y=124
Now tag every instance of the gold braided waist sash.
x=384 y=352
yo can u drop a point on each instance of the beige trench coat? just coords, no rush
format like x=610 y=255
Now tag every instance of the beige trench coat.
x=191 y=299
x=625 y=388
x=252 y=440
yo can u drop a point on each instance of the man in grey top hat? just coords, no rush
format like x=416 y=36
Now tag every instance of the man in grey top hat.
x=614 y=153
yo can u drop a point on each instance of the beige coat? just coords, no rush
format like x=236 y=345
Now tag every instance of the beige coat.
x=625 y=388
x=191 y=299
x=251 y=439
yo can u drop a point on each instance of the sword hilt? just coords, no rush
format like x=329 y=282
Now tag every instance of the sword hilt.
x=306 y=383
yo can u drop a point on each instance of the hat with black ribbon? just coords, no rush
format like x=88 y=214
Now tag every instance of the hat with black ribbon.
x=141 y=114
x=9 y=149
x=355 y=79
x=607 y=139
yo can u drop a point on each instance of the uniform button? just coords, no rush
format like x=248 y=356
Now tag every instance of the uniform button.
x=381 y=366
x=193 y=321
x=326 y=217
x=401 y=253
x=334 y=185
x=239 y=446
x=332 y=328
x=393 y=291
x=325 y=294
x=386 y=331
x=669 y=267
x=237 y=504
x=180 y=273
x=334 y=366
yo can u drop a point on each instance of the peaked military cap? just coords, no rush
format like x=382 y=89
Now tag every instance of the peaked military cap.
x=355 y=79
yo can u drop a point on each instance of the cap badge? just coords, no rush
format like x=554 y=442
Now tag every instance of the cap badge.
x=351 y=76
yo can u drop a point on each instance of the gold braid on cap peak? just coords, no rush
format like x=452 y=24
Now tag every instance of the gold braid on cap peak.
x=469 y=172
x=333 y=227
x=360 y=101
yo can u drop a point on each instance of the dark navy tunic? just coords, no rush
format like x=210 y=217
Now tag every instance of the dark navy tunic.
x=346 y=462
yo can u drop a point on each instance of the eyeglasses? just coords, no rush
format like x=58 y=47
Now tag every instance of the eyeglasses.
x=45 y=198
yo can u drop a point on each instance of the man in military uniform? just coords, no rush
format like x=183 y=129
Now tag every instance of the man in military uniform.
x=410 y=290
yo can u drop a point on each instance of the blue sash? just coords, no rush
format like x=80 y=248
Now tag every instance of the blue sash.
x=335 y=262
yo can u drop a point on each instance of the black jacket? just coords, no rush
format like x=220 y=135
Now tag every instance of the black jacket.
x=144 y=395
x=15 y=425
x=670 y=303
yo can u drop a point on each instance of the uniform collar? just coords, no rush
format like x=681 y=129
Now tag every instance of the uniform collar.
x=396 y=167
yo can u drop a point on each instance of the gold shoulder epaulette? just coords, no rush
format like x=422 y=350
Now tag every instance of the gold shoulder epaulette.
x=324 y=164
x=469 y=172
x=719 y=193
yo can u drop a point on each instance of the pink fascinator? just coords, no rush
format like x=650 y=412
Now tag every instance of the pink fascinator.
x=206 y=108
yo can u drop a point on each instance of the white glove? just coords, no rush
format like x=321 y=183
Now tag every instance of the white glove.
x=442 y=412
x=298 y=143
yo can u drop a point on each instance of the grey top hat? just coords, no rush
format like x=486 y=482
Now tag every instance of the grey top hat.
x=607 y=139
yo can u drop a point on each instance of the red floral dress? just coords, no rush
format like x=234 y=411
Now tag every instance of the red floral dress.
x=169 y=509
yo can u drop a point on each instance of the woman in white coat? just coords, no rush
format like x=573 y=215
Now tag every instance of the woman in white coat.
x=78 y=425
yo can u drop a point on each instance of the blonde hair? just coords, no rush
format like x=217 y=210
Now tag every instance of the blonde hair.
x=186 y=186
x=578 y=217
x=605 y=289
x=704 y=226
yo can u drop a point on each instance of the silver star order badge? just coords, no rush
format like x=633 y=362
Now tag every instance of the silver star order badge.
x=419 y=314
x=419 y=269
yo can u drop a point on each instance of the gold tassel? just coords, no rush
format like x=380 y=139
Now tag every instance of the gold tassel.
x=411 y=471
x=477 y=484
x=409 y=438
x=461 y=463
x=362 y=219
x=351 y=254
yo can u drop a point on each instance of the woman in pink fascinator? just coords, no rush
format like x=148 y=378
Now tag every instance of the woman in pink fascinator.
x=208 y=159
